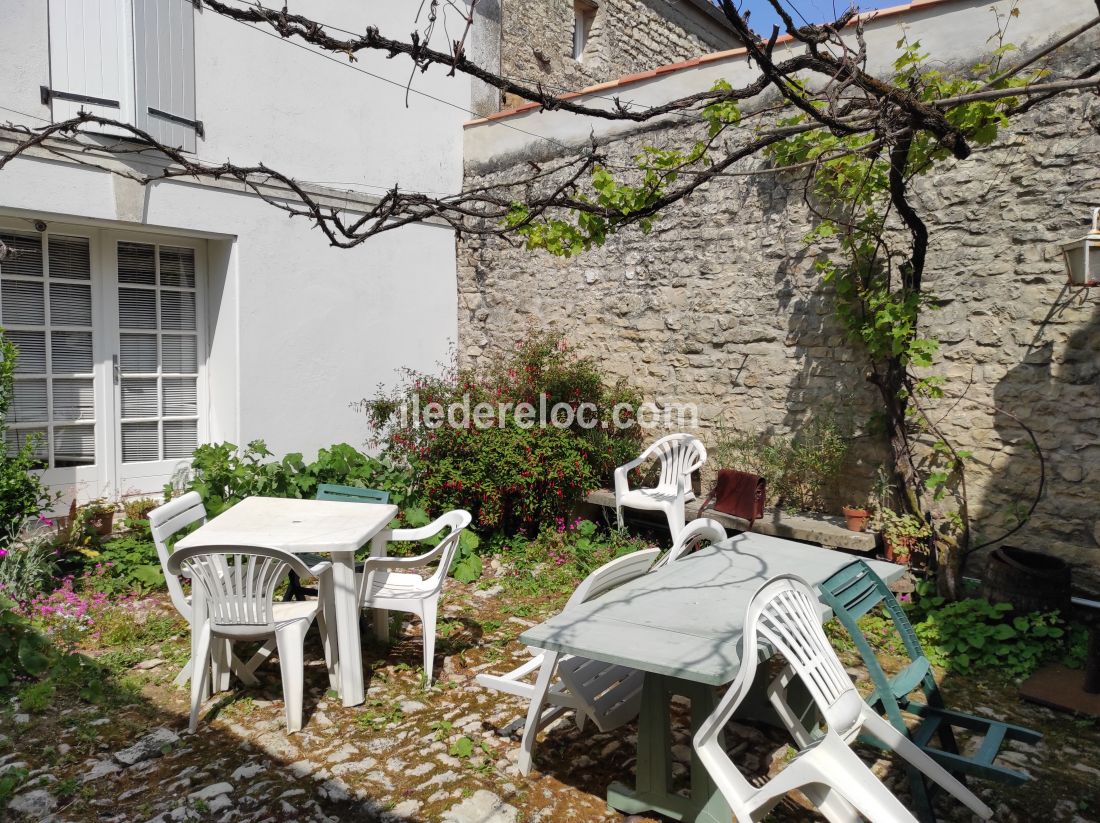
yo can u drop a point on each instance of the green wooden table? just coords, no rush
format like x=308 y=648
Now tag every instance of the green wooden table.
x=682 y=626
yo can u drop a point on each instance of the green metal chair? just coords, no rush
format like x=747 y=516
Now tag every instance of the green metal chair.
x=331 y=491
x=851 y=593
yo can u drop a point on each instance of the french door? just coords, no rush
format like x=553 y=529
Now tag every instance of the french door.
x=110 y=374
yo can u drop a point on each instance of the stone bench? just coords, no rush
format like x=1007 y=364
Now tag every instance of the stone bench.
x=807 y=527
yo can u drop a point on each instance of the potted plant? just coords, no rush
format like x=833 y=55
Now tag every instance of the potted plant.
x=99 y=515
x=902 y=534
x=856 y=517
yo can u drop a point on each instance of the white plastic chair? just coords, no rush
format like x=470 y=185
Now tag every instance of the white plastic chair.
x=784 y=615
x=680 y=455
x=164 y=522
x=608 y=694
x=388 y=582
x=237 y=602
x=691 y=539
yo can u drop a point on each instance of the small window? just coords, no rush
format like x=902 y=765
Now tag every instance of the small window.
x=584 y=13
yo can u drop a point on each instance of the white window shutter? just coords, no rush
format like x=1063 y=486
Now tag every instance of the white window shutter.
x=164 y=68
x=88 y=64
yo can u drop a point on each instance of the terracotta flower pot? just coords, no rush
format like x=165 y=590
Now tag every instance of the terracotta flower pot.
x=898 y=549
x=856 y=519
x=102 y=523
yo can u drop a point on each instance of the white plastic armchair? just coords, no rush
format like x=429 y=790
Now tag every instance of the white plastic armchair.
x=680 y=455
x=391 y=583
x=608 y=694
x=165 y=522
x=783 y=615
x=235 y=600
x=691 y=539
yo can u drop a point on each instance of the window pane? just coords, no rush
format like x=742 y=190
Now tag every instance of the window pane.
x=177 y=310
x=138 y=353
x=71 y=352
x=179 y=353
x=136 y=264
x=25 y=255
x=15 y=438
x=139 y=397
x=177 y=267
x=137 y=309
x=70 y=305
x=32 y=351
x=180 y=396
x=73 y=446
x=23 y=303
x=73 y=400
x=180 y=438
x=139 y=442
x=29 y=402
x=70 y=257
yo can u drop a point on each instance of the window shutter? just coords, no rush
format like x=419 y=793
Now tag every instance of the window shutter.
x=164 y=67
x=88 y=45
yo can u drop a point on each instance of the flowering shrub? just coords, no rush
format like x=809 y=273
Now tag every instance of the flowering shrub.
x=510 y=475
x=71 y=611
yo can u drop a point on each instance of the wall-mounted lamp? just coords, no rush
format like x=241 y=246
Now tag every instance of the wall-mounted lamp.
x=1083 y=256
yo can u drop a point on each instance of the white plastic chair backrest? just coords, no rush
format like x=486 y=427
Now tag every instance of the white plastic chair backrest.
x=692 y=537
x=608 y=576
x=784 y=613
x=238 y=582
x=444 y=551
x=165 y=521
x=680 y=455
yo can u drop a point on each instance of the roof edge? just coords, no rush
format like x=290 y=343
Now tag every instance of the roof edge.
x=712 y=57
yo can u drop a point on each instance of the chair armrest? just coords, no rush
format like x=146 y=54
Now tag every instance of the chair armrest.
x=622 y=484
x=419 y=533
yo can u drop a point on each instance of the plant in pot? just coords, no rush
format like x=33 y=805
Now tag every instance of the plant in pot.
x=856 y=517
x=902 y=534
x=98 y=515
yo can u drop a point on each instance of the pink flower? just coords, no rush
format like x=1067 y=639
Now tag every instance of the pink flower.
x=3 y=552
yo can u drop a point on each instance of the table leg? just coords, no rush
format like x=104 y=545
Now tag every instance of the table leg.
x=653 y=780
x=346 y=596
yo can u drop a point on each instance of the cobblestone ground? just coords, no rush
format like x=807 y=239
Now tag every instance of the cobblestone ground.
x=443 y=754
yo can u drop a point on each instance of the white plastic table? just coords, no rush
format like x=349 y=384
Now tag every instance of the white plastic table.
x=330 y=527
x=681 y=625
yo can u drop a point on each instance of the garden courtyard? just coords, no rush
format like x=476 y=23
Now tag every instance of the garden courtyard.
x=446 y=753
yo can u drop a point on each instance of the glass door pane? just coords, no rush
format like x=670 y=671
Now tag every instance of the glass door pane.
x=158 y=348
x=46 y=310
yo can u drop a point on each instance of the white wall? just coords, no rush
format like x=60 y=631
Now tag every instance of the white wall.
x=263 y=99
x=298 y=330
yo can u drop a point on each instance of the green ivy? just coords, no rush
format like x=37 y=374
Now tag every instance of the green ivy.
x=225 y=474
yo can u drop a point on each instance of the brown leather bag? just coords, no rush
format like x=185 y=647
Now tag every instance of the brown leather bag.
x=738 y=493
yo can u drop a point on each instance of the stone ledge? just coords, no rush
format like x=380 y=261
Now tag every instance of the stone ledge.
x=822 y=529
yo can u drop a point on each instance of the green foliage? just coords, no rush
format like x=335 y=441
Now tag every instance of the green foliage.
x=798 y=468
x=615 y=202
x=29 y=565
x=561 y=556
x=511 y=475
x=974 y=635
x=133 y=564
x=225 y=474
x=29 y=657
x=22 y=494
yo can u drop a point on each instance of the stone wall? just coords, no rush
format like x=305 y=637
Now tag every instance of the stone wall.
x=627 y=36
x=720 y=306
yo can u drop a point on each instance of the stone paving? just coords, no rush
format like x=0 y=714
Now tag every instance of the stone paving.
x=409 y=754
